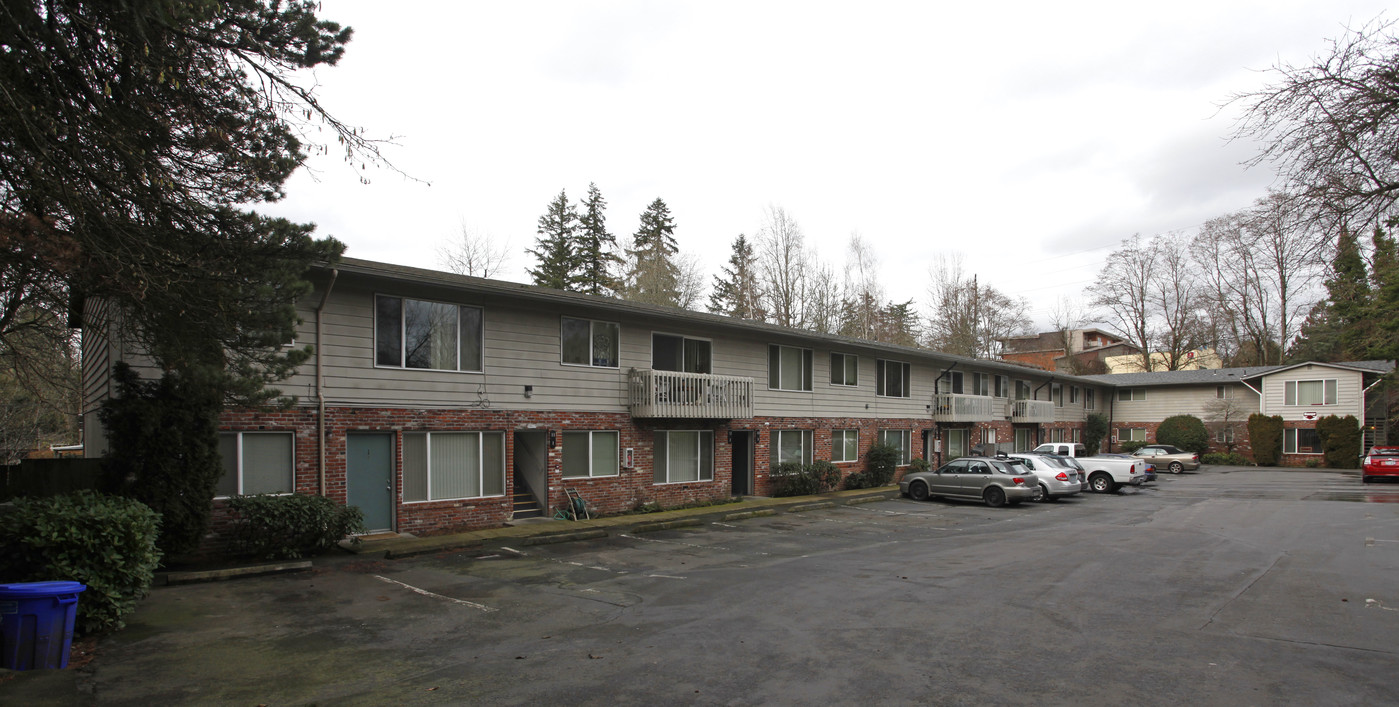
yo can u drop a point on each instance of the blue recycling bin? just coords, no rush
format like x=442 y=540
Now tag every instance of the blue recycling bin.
x=36 y=623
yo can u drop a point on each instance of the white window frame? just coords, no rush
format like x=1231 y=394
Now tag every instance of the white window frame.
x=702 y=439
x=1224 y=435
x=1131 y=435
x=1002 y=389
x=1125 y=395
x=1221 y=391
x=1289 y=442
x=1021 y=384
x=775 y=374
x=593 y=473
x=1089 y=396
x=845 y=381
x=981 y=384
x=883 y=372
x=238 y=459
x=905 y=444
x=1330 y=392
x=684 y=340
x=839 y=440
x=480 y=463
x=403 y=335
x=966 y=439
x=1056 y=393
x=1073 y=395
x=592 y=338
x=807 y=437
x=951 y=382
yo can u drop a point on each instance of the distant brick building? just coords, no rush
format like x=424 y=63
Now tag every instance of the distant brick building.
x=1051 y=350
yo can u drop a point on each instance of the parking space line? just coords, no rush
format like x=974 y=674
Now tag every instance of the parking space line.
x=434 y=595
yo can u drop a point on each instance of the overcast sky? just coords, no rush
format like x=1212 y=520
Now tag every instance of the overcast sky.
x=1029 y=137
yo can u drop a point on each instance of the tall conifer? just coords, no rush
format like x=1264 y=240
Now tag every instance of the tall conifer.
x=554 y=251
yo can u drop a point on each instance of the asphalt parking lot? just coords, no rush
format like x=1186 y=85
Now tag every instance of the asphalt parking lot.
x=1222 y=587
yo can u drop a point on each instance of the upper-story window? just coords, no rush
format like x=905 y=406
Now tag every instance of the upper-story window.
x=950 y=382
x=1221 y=391
x=891 y=378
x=410 y=333
x=587 y=342
x=845 y=369
x=1056 y=393
x=789 y=368
x=981 y=384
x=1313 y=392
x=1126 y=394
x=1002 y=387
x=1023 y=391
x=1088 y=395
x=670 y=352
x=1073 y=394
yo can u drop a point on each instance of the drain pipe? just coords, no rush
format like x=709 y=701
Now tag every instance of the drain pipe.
x=320 y=380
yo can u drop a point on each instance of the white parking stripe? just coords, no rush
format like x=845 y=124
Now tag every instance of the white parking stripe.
x=426 y=593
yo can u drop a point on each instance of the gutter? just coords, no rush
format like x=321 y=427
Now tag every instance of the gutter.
x=1255 y=390
x=320 y=381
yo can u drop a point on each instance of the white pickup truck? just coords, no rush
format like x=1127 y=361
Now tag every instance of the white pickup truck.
x=1105 y=474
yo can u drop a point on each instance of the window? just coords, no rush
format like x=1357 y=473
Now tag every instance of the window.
x=981 y=384
x=891 y=379
x=1056 y=393
x=589 y=454
x=956 y=443
x=1129 y=394
x=1221 y=391
x=678 y=353
x=1131 y=434
x=901 y=440
x=686 y=455
x=1002 y=387
x=789 y=368
x=1315 y=392
x=1024 y=439
x=1022 y=390
x=255 y=462
x=1300 y=441
x=1088 y=395
x=1078 y=435
x=584 y=342
x=791 y=446
x=443 y=466
x=845 y=445
x=1056 y=434
x=1224 y=435
x=410 y=333
x=1073 y=394
x=845 y=369
x=950 y=382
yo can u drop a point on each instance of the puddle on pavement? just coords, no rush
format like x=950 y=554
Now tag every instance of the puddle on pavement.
x=1356 y=496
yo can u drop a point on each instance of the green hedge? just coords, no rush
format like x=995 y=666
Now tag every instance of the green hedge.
x=106 y=542
x=1185 y=431
x=273 y=527
x=1265 y=436
x=1226 y=458
x=793 y=479
x=1340 y=441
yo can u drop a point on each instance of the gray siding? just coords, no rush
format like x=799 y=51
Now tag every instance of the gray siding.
x=1197 y=400
x=1349 y=392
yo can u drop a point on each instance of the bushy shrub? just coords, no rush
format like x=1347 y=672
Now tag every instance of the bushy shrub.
x=826 y=474
x=106 y=542
x=1185 y=431
x=1226 y=458
x=792 y=479
x=1131 y=446
x=857 y=480
x=919 y=465
x=1265 y=434
x=1340 y=441
x=291 y=526
x=881 y=461
x=1094 y=430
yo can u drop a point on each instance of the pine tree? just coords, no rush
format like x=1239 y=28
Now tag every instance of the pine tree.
x=595 y=251
x=555 y=249
x=1349 y=290
x=1384 y=302
x=654 y=276
x=736 y=292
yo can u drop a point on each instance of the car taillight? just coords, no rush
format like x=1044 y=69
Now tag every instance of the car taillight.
x=1062 y=476
x=1020 y=481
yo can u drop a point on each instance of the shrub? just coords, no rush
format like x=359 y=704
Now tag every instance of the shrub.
x=1094 y=430
x=919 y=465
x=287 y=527
x=857 y=480
x=881 y=461
x=1265 y=434
x=1229 y=459
x=827 y=474
x=1185 y=431
x=1340 y=441
x=1131 y=446
x=792 y=479
x=105 y=542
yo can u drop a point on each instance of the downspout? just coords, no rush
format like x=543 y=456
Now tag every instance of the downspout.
x=320 y=380
x=937 y=428
x=1112 y=415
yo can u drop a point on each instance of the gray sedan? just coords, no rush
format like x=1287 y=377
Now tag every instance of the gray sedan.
x=997 y=481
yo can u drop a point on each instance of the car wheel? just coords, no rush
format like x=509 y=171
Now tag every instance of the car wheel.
x=918 y=491
x=1176 y=467
x=994 y=496
x=1042 y=494
x=1101 y=483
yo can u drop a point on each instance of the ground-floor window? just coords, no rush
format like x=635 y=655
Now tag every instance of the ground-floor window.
x=1056 y=434
x=1224 y=435
x=1300 y=441
x=901 y=440
x=1131 y=434
x=444 y=466
x=956 y=443
x=845 y=445
x=1024 y=440
x=791 y=446
x=684 y=455
x=589 y=454
x=255 y=462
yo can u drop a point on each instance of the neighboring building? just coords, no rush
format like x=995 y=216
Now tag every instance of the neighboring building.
x=1132 y=362
x=1225 y=397
x=434 y=399
x=1051 y=350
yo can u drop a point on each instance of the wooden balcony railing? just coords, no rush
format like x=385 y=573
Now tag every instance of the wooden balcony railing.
x=653 y=393
x=1031 y=411
x=954 y=407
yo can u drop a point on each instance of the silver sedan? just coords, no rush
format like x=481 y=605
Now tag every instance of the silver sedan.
x=996 y=480
x=1056 y=480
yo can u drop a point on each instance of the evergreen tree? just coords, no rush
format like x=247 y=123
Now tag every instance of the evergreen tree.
x=736 y=292
x=1349 y=293
x=1383 y=342
x=654 y=276
x=555 y=250
x=596 y=248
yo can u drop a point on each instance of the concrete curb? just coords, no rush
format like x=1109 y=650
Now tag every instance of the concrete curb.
x=218 y=575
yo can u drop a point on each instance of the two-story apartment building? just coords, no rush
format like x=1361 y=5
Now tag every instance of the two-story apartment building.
x=433 y=397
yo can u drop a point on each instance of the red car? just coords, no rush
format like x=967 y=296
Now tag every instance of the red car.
x=1380 y=462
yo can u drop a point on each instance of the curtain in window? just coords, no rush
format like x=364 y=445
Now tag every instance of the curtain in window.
x=415 y=466
x=792 y=369
x=604 y=457
x=454 y=462
x=267 y=463
x=683 y=463
x=228 y=455
x=575 y=454
x=492 y=464
x=697 y=355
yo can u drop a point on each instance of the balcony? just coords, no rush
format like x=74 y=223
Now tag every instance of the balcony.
x=1031 y=411
x=688 y=395
x=952 y=407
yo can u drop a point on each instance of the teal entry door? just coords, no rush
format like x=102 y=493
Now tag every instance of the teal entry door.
x=369 y=477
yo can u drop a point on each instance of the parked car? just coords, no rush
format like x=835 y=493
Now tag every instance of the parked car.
x=1380 y=463
x=1172 y=459
x=1107 y=474
x=1056 y=480
x=996 y=480
x=1150 y=472
x=1070 y=463
x=1067 y=449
